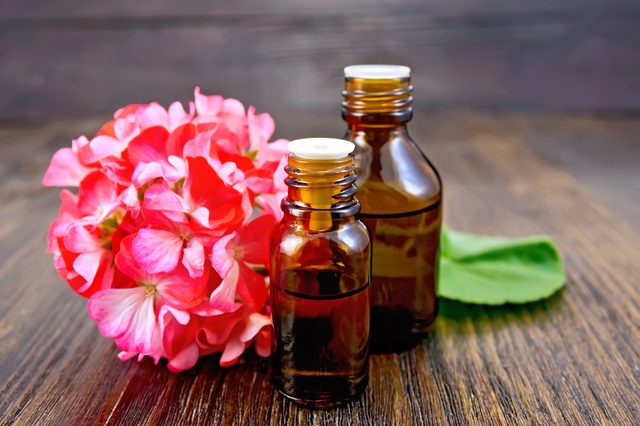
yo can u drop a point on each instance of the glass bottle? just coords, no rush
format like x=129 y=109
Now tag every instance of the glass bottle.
x=320 y=278
x=400 y=192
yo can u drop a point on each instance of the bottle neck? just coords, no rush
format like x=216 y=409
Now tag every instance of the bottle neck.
x=377 y=135
x=320 y=191
x=377 y=102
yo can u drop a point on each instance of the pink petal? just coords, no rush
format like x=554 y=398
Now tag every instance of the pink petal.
x=109 y=271
x=201 y=214
x=79 y=240
x=127 y=264
x=149 y=146
x=180 y=291
x=105 y=146
x=180 y=135
x=156 y=250
x=199 y=146
x=81 y=147
x=207 y=105
x=113 y=309
x=176 y=337
x=160 y=197
x=128 y=110
x=193 y=258
x=253 y=240
x=129 y=197
x=205 y=188
x=145 y=172
x=162 y=206
x=178 y=169
x=251 y=287
x=280 y=176
x=206 y=310
x=186 y=359
x=124 y=129
x=261 y=128
x=182 y=317
x=126 y=356
x=277 y=150
x=65 y=169
x=264 y=125
x=153 y=115
x=232 y=351
x=117 y=170
x=263 y=342
x=269 y=204
x=255 y=323
x=223 y=297
x=87 y=265
x=246 y=207
x=67 y=215
x=230 y=174
x=216 y=330
x=233 y=106
x=143 y=334
x=177 y=116
x=220 y=258
x=259 y=184
x=69 y=203
x=98 y=196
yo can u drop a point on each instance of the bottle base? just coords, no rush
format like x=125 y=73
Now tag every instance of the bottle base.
x=334 y=390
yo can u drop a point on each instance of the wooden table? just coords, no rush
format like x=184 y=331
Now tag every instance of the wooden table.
x=571 y=359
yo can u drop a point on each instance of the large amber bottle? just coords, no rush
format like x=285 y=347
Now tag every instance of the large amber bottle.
x=400 y=192
x=320 y=278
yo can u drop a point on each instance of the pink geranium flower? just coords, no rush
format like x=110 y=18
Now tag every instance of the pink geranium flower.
x=232 y=258
x=167 y=235
x=130 y=315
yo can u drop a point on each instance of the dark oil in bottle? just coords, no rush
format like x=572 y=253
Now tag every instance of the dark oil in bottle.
x=323 y=332
x=404 y=277
x=400 y=193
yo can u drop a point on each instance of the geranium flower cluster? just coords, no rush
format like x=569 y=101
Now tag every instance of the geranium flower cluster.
x=168 y=233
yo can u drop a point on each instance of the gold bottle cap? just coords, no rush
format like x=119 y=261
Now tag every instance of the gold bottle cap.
x=320 y=148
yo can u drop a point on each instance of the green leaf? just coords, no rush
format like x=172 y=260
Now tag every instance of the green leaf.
x=496 y=270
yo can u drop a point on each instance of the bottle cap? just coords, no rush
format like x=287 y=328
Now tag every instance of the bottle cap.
x=320 y=148
x=377 y=71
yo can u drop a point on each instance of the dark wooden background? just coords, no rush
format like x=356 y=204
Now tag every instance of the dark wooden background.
x=75 y=57
x=530 y=110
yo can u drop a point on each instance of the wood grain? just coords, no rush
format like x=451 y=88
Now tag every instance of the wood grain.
x=571 y=359
x=73 y=58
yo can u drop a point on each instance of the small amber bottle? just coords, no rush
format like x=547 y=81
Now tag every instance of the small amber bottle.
x=320 y=278
x=400 y=192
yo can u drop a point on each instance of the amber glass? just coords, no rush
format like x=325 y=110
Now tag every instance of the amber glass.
x=320 y=286
x=400 y=194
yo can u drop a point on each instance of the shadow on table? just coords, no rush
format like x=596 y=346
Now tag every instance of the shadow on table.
x=458 y=315
x=461 y=312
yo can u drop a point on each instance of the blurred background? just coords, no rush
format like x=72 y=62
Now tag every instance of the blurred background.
x=560 y=77
x=74 y=58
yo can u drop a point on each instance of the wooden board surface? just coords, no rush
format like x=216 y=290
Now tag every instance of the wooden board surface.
x=572 y=359
x=74 y=58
